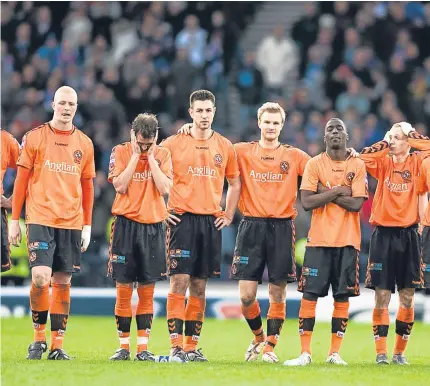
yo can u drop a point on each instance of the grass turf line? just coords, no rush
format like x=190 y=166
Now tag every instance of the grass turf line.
x=92 y=340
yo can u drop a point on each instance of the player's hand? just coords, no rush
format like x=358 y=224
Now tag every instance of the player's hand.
x=321 y=188
x=173 y=220
x=85 y=237
x=134 y=145
x=353 y=153
x=185 y=129
x=6 y=202
x=151 y=150
x=344 y=190
x=222 y=222
x=420 y=228
x=15 y=236
x=406 y=128
x=387 y=137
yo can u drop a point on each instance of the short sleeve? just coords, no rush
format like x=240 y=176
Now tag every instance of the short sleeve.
x=232 y=167
x=166 y=164
x=310 y=177
x=302 y=160
x=13 y=153
x=89 y=170
x=424 y=181
x=117 y=163
x=27 y=154
x=359 y=184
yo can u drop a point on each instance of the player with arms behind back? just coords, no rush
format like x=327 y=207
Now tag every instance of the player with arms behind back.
x=55 y=178
x=334 y=187
x=141 y=173
x=9 y=156
x=200 y=161
x=269 y=172
x=395 y=256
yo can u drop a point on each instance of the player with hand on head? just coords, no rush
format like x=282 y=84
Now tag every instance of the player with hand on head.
x=55 y=178
x=9 y=156
x=141 y=173
x=334 y=187
x=201 y=161
x=395 y=256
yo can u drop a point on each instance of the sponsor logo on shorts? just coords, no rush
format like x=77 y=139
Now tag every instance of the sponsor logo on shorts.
x=32 y=256
x=180 y=254
x=117 y=259
x=38 y=245
x=306 y=271
x=173 y=263
x=375 y=266
x=240 y=259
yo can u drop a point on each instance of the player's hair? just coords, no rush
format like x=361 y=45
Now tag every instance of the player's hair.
x=146 y=125
x=271 y=107
x=202 y=95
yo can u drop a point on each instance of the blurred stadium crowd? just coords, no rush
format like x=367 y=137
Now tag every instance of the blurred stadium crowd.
x=366 y=62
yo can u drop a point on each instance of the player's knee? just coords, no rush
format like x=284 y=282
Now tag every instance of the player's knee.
x=61 y=278
x=382 y=298
x=406 y=299
x=40 y=279
x=277 y=294
x=178 y=285
x=247 y=299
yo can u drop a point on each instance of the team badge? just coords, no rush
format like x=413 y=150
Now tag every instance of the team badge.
x=32 y=256
x=350 y=176
x=406 y=175
x=218 y=160
x=173 y=263
x=285 y=166
x=77 y=156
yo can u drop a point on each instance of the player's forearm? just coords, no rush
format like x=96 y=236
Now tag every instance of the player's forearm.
x=20 y=191
x=351 y=204
x=6 y=203
x=420 y=142
x=232 y=199
x=87 y=199
x=162 y=182
x=317 y=200
x=422 y=205
x=121 y=182
x=378 y=150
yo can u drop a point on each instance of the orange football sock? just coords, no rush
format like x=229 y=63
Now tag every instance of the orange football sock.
x=194 y=317
x=339 y=321
x=39 y=304
x=381 y=323
x=123 y=313
x=59 y=311
x=144 y=315
x=175 y=318
x=252 y=314
x=275 y=321
x=306 y=323
x=404 y=323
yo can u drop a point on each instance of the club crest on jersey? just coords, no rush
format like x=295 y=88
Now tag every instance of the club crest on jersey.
x=285 y=166
x=77 y=156
x=218 y=160
x=350 y=176
x=406 y=175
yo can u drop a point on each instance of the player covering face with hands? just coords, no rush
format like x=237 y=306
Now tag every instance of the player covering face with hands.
x=395 y=257
x=55 y=179
x=141 y=173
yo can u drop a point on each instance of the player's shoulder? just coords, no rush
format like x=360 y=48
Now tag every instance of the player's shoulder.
x=121 y=147
x=319 y=158
x=162 y=151
x=37 y=131
x=357 y=162
x=293 y=150
x=223 y=141
x=243 y=146
x=173 y=139
x=6 y=136
x=426 y=162
x=82 y=136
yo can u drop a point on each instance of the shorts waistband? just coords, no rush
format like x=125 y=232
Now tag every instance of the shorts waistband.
x=415 y=226
x=193 y=214
x=267 y=219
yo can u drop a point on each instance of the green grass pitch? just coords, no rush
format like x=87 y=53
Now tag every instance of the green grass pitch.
x=92 y=340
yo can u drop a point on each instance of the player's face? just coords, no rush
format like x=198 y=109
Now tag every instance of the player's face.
x=144 y=143
x=398 y=141
x=270 y=125
x=203 y=113
x=335 y=134
x=65 y=106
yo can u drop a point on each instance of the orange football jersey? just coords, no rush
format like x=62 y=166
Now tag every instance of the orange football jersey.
x=269 y=179
x=9 y=153
x=425 y=187
x=142 y=202
x=332 y=225
x=199 y=169
x=57 y=161
x=396 y=198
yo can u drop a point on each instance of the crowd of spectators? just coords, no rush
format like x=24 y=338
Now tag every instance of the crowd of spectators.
x=368 y=63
